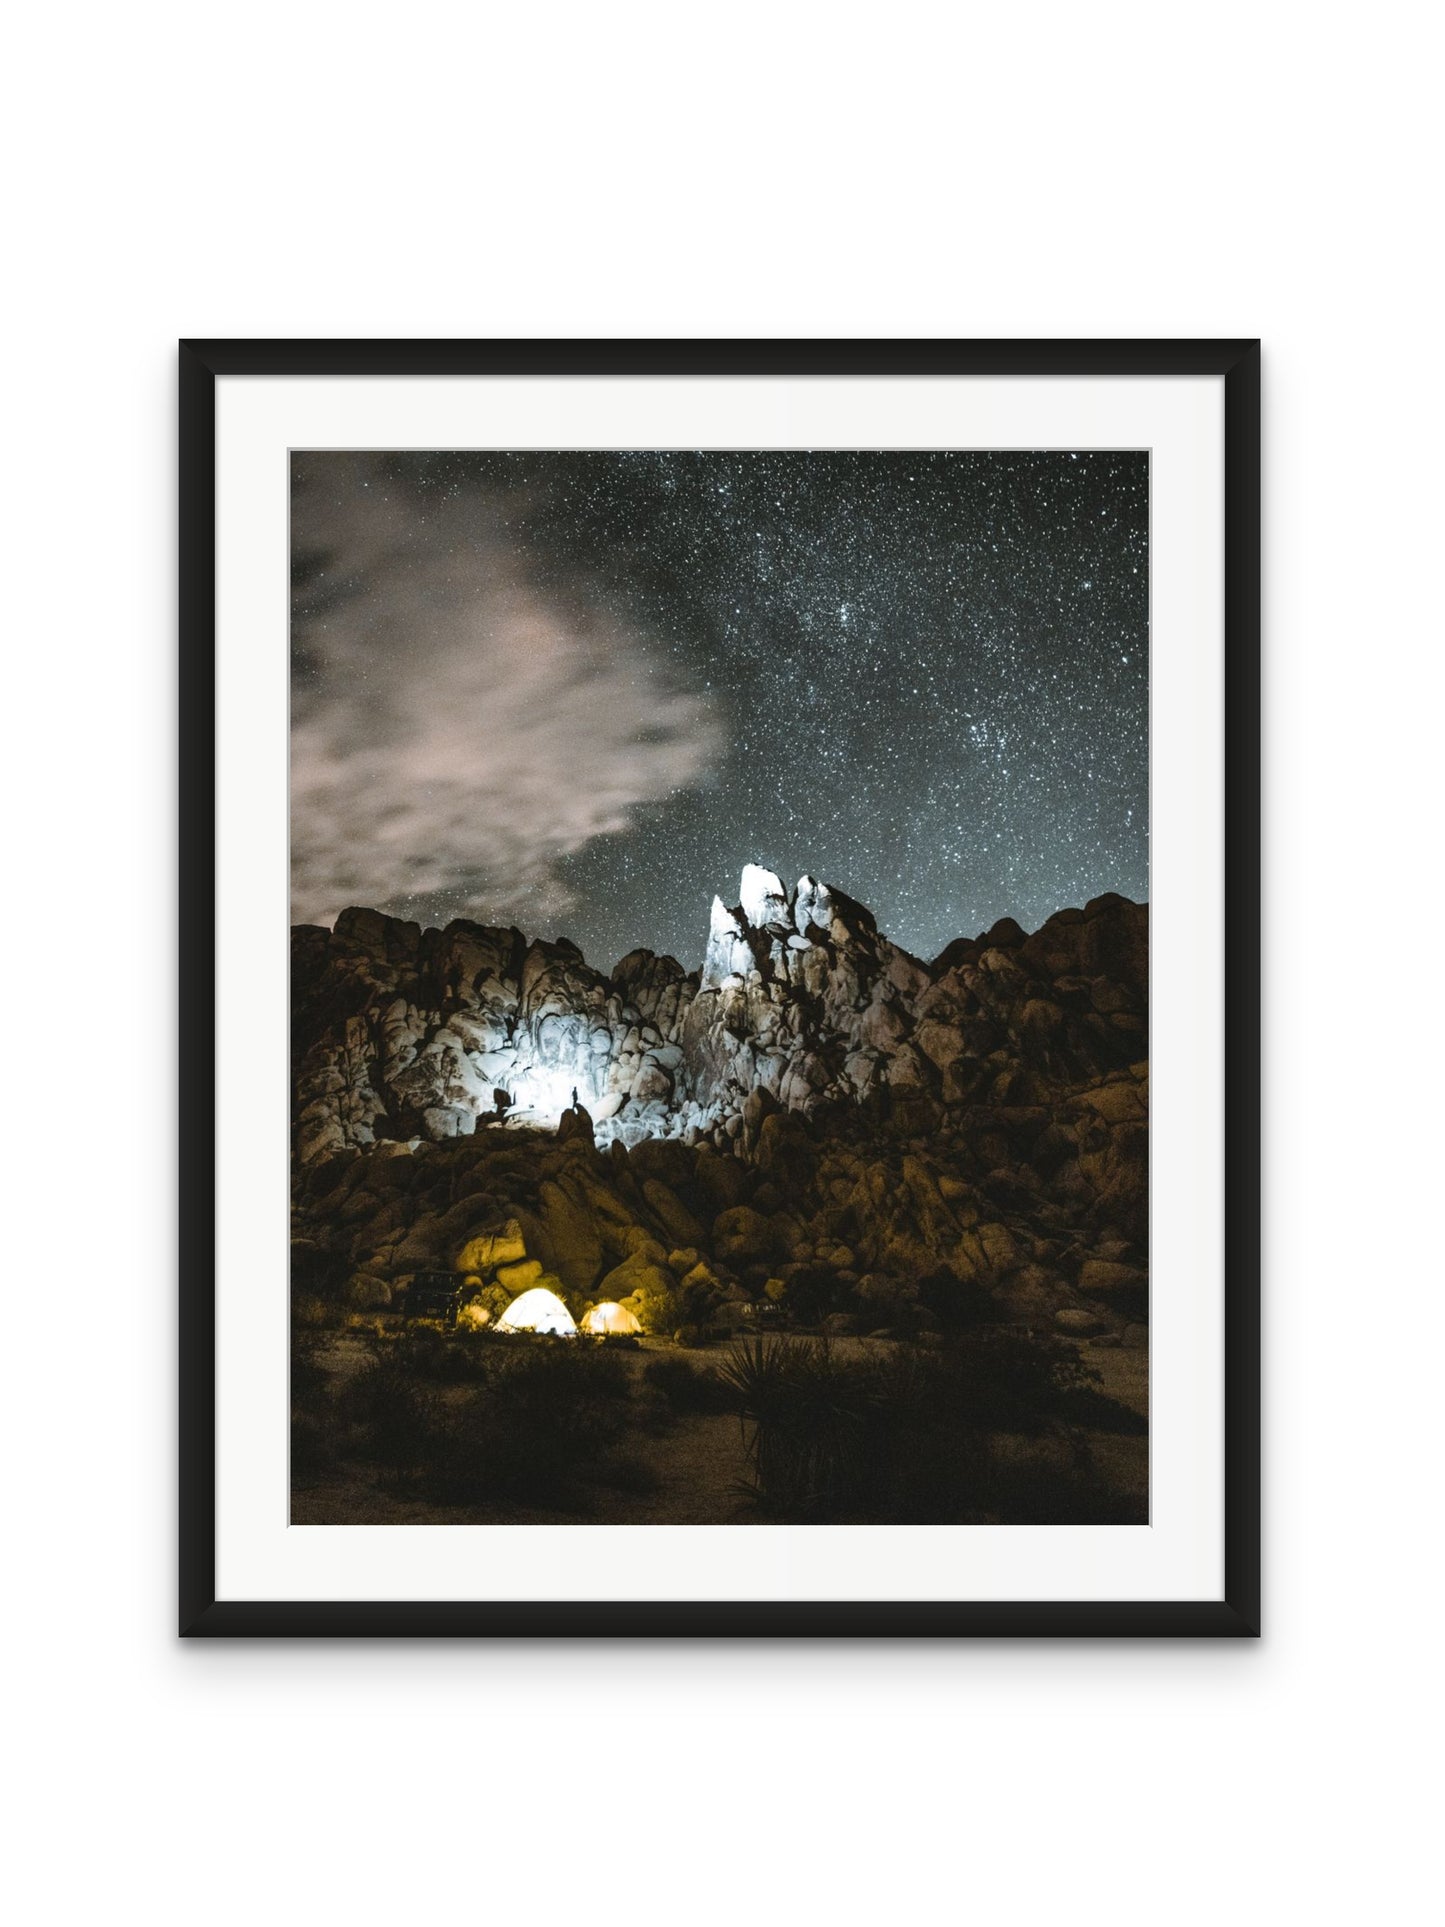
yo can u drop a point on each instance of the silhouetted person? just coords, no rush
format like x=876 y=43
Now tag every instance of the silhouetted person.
x=574 y=1097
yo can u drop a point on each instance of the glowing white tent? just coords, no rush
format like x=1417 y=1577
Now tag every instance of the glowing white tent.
x=537 y=1310
x=609 y=1318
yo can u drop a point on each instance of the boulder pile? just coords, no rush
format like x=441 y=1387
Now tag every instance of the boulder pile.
x=815 y=1116
x=402 y=1033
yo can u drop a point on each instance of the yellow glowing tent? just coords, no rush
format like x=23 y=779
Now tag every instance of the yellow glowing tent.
x=537 y=1310
x=609 y=1318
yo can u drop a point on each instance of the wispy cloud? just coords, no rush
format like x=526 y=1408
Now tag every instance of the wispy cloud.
x=461 y=723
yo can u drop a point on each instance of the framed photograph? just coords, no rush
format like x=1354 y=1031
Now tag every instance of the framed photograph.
x=719 y=987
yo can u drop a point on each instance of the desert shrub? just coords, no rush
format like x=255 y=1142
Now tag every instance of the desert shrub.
x=313 y=1415
x=687 y=1390
x=542 y=1416
x=368 y=1325
x=311 y=1445
x=959 y=1304
x=814 y=1291
x=824 y=1435
x=694 y=1304
x=442 y=1358
x=1058 y=1483
x=806 y=1419
x=885 y=1299
x=565 y=1370
x=1083 y=1405
x=908 y=1436
x=310 y=1381
x=1014 y=1380
x=651 y=1413
x=312 y=1404
x=394 y=1416
x=494 y=1300
x=308 y=1311
x=656 y=1307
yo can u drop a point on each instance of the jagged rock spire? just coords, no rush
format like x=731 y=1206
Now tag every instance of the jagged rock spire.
x=765 y=901
x=728 y=952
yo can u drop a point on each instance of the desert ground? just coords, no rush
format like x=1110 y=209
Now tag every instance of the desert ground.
x=663 y=1461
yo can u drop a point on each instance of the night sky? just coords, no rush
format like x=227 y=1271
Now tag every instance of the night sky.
x=577 y=692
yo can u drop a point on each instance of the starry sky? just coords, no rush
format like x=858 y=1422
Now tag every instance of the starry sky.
x=577 y=692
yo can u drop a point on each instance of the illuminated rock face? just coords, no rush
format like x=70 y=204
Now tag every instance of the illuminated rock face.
x=800 y=1005
x=728 y=954
x=765 y=901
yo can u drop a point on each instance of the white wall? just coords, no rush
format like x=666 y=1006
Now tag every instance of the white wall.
x=1059 y=169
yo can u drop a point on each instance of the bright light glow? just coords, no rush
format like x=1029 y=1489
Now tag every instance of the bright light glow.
x=610 y=1318
x=546 y=1093
x=537 y=1310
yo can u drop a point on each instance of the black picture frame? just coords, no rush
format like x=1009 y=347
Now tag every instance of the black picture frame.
x=202 y=1615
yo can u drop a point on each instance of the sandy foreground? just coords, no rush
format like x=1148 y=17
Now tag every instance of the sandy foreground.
x=694 y=1473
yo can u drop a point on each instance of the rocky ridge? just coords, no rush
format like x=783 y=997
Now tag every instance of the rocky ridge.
x=409 y=1034
x=815 y=1115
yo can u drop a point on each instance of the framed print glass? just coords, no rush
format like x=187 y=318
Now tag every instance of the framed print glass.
x=721 y=896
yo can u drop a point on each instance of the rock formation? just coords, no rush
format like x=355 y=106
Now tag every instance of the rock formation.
x=815 y=1114
x=404 y=1033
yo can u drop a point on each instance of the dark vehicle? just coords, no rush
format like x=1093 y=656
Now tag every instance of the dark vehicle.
x=764 y=1316
x=435 y=1294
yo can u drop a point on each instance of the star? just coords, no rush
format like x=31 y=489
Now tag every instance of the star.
x=576 y=692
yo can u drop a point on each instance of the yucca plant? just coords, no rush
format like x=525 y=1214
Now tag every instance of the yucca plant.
x=893 y=1433
x=809 y=1423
